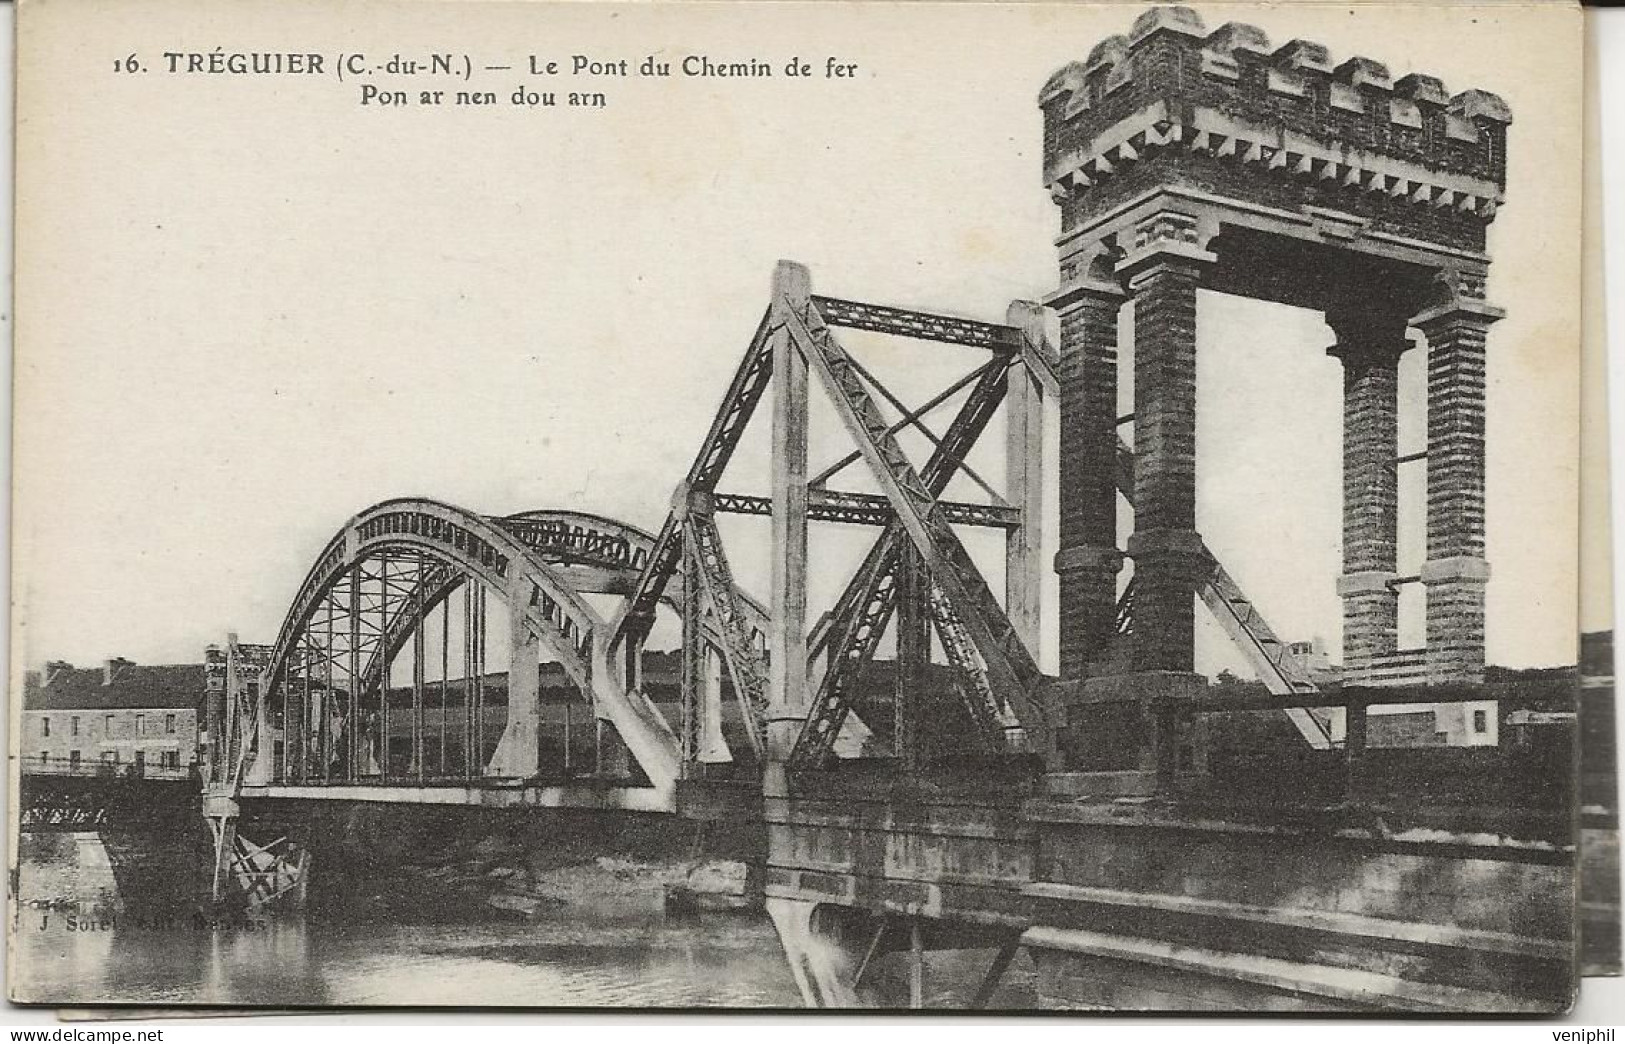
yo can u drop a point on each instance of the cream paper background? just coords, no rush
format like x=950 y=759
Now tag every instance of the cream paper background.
x=248 y=307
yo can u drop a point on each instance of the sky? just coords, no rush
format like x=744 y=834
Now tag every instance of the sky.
x=249 y=307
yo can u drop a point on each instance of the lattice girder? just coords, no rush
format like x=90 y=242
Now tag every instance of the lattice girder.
x=860 y=615
x=1013 y=671
x=738 y=404
x=739 y=650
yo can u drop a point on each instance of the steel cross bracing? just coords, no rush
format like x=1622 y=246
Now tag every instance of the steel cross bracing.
x=607 y=553
x=693 y=690
x=868 y=582
x=1125 y=610
x=564 y=621
x=739 y=648
x=848 y=642
x=987 y=711
x=854 y=627
x=265 y=872
x=983 y=706
x=860 y=315
x=574 y=537
x=1280 y=670
x=744 y=392
x=825 y=505
x=1014 y=673
x=911 y=418
x=243 y=662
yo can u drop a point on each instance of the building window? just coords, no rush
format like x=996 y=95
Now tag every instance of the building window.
x=169 y=724
x=73 y=759
x=140 y=724
x=172 y=759
x=73 y=725
x=1481 y=721
x=110 y=757
x=108 y=726
x=45 y=727
x=44 y=757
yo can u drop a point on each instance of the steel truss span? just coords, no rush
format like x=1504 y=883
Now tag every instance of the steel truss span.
x=412 y=654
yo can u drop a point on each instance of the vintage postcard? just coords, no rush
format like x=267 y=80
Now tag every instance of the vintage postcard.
x=1007 y=506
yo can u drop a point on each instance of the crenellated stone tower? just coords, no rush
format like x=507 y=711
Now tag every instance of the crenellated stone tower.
x=1183 y=159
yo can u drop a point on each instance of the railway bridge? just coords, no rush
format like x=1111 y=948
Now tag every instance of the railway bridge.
x=916 y=781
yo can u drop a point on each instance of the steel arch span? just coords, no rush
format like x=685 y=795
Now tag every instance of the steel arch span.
x=590 y=553
x=321 y=709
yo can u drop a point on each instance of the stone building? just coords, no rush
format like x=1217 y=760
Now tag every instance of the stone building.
x=116 y=717
x=1475 y=724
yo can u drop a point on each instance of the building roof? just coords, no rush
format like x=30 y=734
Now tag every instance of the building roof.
x=131 y=686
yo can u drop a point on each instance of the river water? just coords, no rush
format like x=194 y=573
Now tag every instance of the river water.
x=614 y=949
x=603 y=939
x=565 y=960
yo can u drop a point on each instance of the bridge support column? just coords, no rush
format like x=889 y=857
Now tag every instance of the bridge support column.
x=787 y=650
x=225 y=847
x=262 y=769
x=1088 y=560
x=95 y=883
x=518 y=753
x=1455 y=571
x=1127 y=727
x=913 y=660
x=821 y=967
x=1369 y=343
x=1024 y=480
x=214 y=714
x=1164 y=271
x=713 y=745
x=1124 y=725
x=221 y=814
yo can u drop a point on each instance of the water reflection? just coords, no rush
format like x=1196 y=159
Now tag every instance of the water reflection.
x=619 y=952
x=605 y=942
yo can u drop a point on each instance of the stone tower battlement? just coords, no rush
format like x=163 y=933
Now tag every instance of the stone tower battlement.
x=1227 y=112
x=1182 y=161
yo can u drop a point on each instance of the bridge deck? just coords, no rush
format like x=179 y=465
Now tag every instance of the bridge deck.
x=492 y=794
